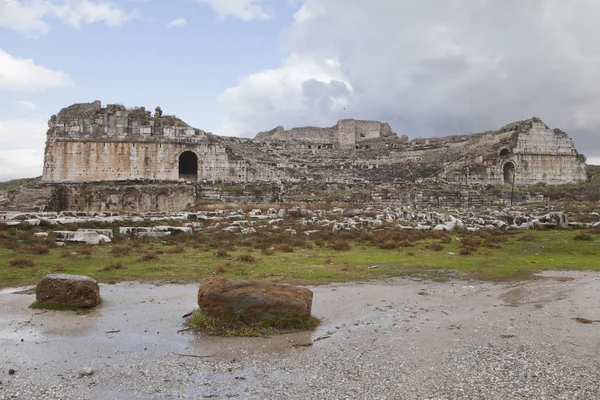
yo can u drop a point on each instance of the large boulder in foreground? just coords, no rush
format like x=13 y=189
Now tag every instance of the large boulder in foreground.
x=68 y=290
x=253 y=301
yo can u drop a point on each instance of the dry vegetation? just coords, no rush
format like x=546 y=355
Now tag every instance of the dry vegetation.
x=276 y=255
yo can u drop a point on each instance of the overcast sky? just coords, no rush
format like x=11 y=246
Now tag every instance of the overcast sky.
x=237 y=67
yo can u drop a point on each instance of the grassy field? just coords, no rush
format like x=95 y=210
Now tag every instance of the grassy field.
x=317 y=259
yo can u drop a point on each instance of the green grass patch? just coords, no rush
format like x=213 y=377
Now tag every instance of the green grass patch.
x=236 y=326
x=316 y=259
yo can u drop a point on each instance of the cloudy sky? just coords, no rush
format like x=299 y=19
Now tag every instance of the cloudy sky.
x=237 y=67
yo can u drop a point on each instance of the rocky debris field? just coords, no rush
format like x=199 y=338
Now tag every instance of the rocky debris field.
x=307 y=220
x=398 y=339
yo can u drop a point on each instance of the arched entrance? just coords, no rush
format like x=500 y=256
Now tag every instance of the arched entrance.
x=509 y=173
x=188 y=166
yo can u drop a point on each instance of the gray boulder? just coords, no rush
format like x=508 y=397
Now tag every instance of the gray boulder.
x=68 y=290
x=252 y=300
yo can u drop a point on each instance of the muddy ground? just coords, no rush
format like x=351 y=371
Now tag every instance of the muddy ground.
x=398 y=339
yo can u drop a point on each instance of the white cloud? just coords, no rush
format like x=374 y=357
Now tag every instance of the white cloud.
x=22 y=143
x=78 y=12
x=177 y=23
x=431 y=67
x=246 y=10
x=22 y=74
x=26 y=105
x=31 y=17
x=269 y=97
x=19 y=134
x=16 y=164
x=593 y=160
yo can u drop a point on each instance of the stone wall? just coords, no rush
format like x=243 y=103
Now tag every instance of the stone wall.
x=345 y=134
x=126 y=196
x=307 y=134
x=85 y=161
x=90 y=143
x=87 y=143
x=531 y=154
x=114 y=120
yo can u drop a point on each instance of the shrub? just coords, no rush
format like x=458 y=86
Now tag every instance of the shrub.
x=117 y=265
x=320 y=242
x=21 y=262
x=221 y=252
x=86 y=250
x=221 y=269
x=261 y=245
x=286 y=248
x=149 y=256
x=247 y=242
x=352 y=234
x=583 y=236
x=307 y=245
x=528 y=238
x=442 y=236
x=246 y=258
x=495 y=236
x=66 y=254
x=340 y=245
x=466 y=251
x=406 y=243
x=470 y=241
x=58 y=268
x=388 y=245
x=491 y=245
x=176 y=250
x=121 y=250
x=38 y=249
x=436 y=247
x=267 y=252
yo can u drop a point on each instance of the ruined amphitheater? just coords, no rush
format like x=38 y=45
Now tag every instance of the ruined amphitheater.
x=111 y=157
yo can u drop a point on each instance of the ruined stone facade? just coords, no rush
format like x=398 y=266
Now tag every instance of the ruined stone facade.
x=91 y=143
x=346 y=134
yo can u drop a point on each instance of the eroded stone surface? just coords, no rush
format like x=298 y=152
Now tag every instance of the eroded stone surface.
x=68 y=290
x=253 y=300
x=89 y=143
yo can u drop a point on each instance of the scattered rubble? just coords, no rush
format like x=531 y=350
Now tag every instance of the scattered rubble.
x=298 y=220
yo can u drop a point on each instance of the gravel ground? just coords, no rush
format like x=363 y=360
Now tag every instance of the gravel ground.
x=399 y=339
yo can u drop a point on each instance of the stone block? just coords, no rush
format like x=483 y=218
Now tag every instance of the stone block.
x=68 y=290
x=252 y=300
x=77 y=236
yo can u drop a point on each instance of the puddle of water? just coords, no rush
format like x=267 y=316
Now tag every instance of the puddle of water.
x=24 y=290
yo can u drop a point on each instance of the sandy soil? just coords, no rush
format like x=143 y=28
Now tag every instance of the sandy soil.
x=398 y=339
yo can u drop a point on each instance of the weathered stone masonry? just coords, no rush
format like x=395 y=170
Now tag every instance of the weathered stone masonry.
x=88 y=143
x=91 y=143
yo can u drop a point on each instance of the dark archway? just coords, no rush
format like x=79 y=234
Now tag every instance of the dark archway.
x=509 y=173
x=504 y=153
x=188 y=166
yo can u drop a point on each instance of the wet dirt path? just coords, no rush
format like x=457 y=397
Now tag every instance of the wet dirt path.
x=395 y=339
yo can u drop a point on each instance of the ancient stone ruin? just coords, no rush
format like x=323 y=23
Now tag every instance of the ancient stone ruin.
x=114 y=158
x=90 y=143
